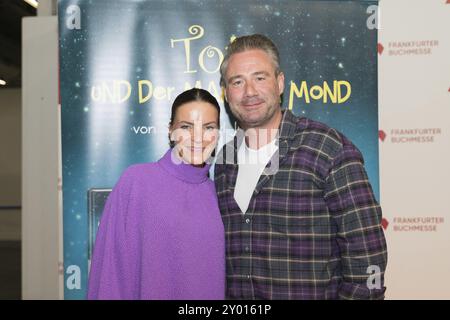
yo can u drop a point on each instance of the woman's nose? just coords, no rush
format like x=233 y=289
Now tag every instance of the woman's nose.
x=198 y=135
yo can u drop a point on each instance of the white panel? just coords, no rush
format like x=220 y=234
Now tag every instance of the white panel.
x=41 y=218
x=414 y=99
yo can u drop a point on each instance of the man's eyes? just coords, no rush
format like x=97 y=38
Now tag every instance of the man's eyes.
x=240 y=82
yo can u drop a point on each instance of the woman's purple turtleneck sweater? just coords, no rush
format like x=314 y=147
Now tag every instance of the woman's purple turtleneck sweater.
x=160 y=237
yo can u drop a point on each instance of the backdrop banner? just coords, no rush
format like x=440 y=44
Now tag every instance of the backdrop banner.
x=123 y=62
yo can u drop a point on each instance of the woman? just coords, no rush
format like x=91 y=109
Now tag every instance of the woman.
x=161 y=235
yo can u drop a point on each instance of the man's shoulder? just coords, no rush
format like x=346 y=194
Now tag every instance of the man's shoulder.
x=319 y=136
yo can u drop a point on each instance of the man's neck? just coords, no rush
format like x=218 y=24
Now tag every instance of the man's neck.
x=258 y=137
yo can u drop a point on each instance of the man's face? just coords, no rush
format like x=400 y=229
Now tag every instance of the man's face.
x=252 y=88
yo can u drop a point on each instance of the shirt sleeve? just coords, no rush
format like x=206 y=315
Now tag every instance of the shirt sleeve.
x=112 y=274
x=360 y=237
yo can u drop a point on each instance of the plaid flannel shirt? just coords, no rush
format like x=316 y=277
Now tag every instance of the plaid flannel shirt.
x=312 y=230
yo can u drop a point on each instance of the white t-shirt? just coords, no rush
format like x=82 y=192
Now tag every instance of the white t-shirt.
x=251 y=165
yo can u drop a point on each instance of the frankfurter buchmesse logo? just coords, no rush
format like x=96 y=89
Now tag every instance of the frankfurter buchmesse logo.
x=417 y=224
x=412 y=47
x=415 y=135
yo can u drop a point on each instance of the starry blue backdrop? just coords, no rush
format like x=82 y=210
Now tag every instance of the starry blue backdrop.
x=129 y=40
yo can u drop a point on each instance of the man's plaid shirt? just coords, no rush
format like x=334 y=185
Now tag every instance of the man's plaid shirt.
x=312 y=230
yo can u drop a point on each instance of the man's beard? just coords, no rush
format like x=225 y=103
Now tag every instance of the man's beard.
x=247 y=121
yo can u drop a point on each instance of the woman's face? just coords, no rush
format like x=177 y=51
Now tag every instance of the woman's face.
x=195 y=131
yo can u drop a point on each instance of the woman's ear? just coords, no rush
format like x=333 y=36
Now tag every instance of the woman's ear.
x=171 y=141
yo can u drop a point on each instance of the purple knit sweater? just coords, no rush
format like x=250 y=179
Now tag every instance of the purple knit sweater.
x=160 y=237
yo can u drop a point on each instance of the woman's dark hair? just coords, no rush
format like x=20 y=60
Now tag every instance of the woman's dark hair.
x=187 y=96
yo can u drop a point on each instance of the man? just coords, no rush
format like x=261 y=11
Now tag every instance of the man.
x=300 y=217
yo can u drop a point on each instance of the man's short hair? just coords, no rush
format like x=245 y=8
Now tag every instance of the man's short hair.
x=250 y=42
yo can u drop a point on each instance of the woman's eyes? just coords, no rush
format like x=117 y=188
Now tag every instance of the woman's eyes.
x=188 y=127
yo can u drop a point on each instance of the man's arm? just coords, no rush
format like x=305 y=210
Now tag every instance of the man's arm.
x=360 y=236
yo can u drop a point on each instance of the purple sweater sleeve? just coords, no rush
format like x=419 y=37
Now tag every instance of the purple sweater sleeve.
x=113 y=273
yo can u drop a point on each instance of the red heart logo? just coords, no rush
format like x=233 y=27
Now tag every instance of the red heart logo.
x=380 y=47
x=381 y=135
x=384 y=222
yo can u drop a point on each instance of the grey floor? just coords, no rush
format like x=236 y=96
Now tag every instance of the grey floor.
x=10 y=270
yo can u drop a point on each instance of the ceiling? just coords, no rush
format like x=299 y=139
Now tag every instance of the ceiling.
x=11 y=13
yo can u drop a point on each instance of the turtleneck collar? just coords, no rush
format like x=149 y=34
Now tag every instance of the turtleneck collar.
x=172 y=163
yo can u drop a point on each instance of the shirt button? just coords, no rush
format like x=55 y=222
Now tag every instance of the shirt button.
x=247 y=220
x=248 y=276
x=247 y=249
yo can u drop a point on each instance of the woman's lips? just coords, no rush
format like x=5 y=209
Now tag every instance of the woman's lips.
x=197 y=149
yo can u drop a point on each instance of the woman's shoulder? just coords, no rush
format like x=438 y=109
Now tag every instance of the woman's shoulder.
x=136 y=178
x=139 y=171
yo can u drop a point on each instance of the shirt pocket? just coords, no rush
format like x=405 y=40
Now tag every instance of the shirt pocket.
x=298 y=207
